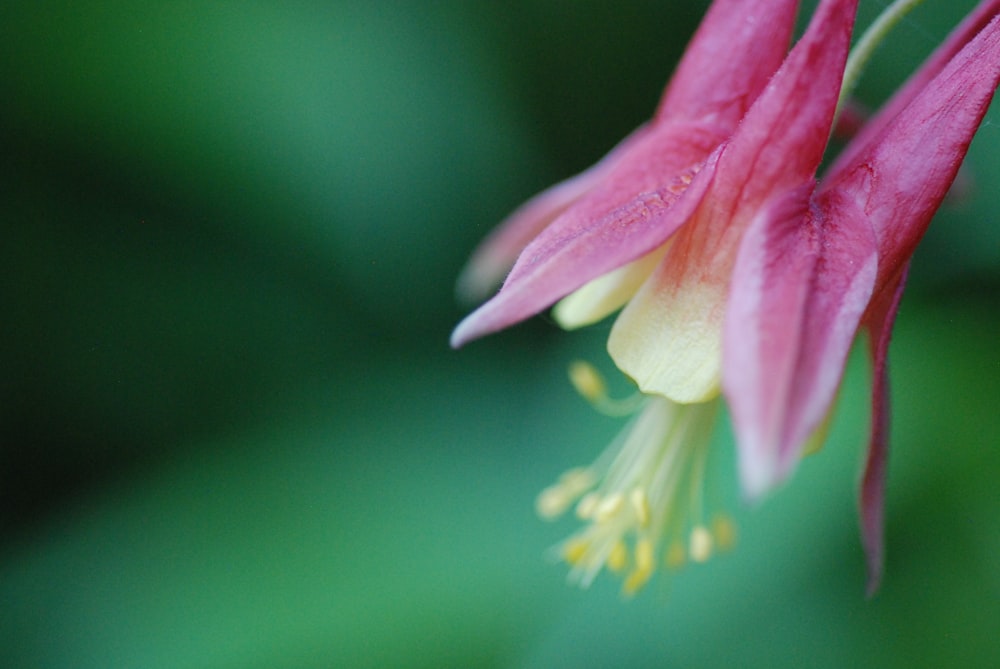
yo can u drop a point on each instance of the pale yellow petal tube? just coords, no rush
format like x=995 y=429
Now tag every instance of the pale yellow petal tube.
x=606 y=294
x=669 y=336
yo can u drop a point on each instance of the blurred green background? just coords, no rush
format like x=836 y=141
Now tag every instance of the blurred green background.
x=232 y=433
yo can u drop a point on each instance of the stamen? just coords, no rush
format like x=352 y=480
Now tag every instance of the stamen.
x=645 y=564
x=574 y=551
x=587 y=381
x=587 y=505
x=701 y=544
x=590 y=384
x=643 y=495
x=553 y=501
x=608 y=507
x=640 y=503
x=618 y=557
x=724 y=532
x=676 y=555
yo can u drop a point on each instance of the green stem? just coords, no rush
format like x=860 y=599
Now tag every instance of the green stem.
x=870 y=41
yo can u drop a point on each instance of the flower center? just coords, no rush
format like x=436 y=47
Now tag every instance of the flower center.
x=642 y=499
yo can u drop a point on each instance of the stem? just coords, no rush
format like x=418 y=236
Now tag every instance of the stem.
x=870 y=41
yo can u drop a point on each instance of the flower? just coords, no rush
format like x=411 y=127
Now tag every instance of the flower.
x=737 y=273
x=815 y=268
x=660 y=223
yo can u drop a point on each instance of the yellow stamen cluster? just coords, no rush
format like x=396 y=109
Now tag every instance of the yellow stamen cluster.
x=642 y=494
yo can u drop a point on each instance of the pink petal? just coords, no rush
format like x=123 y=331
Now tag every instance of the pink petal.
x=669 y=336
x=802 y=281
x=734 y=53
x=781 y=141
x=901 y=176
x=778 y=145
x=711 y=84
x=880 y=319
x=495 y=255
x=633 y=211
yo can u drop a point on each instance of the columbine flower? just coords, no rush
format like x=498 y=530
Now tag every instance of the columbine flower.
x=813 y=269
x=617 y=242
x=736 y=272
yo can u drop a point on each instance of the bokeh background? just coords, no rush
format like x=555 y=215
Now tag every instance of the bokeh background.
x=232 y=433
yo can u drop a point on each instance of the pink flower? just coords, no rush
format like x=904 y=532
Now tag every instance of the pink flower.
x=735 y=271
x=656 y=227
x=813 y=268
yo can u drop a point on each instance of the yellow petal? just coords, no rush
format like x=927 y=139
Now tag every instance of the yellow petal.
x=605 y=294
x=669 y=337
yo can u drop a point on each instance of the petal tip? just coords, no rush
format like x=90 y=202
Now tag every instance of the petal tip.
x=873 y=584
x=461 y=335
x=757 y=478
x=481 y=322
x=480 y=278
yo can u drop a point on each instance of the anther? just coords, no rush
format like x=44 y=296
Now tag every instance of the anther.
x=574 y=551
x=724 y=532
x=640 y=503
x=578 y=478
x=700 y=547
x=553 y=501
x=618 y=557
x=590 y=384
x=587 y=381
x=676 y=555
x=608 y=507
x=587 y=505
x=645 y=564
